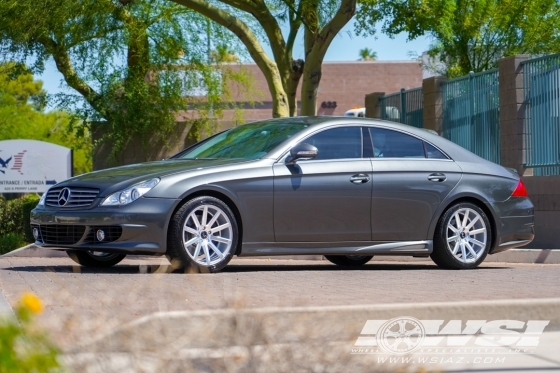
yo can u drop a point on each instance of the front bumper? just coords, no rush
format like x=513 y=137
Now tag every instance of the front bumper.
x=137 y=228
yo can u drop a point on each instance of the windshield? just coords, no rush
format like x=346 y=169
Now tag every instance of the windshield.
x=250 y=141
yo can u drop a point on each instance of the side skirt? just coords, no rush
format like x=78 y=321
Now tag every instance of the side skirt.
x=410 y=248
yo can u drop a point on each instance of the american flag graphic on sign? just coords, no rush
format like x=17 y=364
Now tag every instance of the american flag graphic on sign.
x=18 y=162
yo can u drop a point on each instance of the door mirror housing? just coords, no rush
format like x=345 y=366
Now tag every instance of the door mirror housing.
x=302 y=151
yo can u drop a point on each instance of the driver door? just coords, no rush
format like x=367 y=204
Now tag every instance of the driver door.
x=328 y=198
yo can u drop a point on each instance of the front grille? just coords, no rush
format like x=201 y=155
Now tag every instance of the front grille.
x=60 y=234
x=112 y=233
x=78 y=197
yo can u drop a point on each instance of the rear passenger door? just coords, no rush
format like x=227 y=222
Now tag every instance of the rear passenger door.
x=410 y=179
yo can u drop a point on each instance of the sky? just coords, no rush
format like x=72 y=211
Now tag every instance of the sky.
x=344 y=47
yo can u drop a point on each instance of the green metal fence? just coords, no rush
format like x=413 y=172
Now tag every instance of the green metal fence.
x=406 y=106
x=471 y=113
x=541 y=81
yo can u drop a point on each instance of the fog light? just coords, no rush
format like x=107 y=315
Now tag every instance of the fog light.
x=35 y=233
x=100 y=235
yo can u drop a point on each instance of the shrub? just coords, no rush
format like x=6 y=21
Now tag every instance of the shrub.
x=10 y=242
x=14 y=219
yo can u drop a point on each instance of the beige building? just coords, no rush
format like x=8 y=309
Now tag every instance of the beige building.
x=343 y=86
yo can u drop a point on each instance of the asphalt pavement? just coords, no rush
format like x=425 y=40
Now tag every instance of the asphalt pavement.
x=82 y=304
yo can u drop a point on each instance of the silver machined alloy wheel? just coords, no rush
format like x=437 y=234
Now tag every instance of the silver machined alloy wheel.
x=202 y=236
x=462 y=238
x=467 y=235
x=207 y=235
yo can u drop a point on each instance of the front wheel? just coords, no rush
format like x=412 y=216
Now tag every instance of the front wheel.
x=349 y=260
x=97 y=259
x=202 y=236
x=462 y=238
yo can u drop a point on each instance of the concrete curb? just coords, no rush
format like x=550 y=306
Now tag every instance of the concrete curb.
x=531 y=256
x=35 y=251
x=242 y=327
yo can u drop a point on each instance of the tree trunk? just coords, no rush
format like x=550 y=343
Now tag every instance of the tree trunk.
x=280 y=106
x=310 y=86
x=292 y=85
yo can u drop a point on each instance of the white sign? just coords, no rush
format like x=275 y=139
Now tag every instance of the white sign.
x=29 y=166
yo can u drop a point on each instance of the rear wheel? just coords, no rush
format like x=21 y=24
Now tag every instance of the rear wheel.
x=98 y=259
x=202 y=236
x=349 y=260
x=463 y=237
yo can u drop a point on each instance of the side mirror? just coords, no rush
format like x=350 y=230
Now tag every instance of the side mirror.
x=301 y=151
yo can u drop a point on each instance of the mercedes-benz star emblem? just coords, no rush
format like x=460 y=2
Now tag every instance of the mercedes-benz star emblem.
x=63 y=197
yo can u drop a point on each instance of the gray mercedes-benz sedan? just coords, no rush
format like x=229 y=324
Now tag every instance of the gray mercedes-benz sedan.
x=345 y=188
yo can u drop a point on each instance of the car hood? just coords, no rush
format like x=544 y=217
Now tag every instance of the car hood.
x=113 y=179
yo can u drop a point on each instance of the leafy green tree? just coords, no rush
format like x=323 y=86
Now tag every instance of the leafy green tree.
x=21 y=103
x=132 y=65
x=321 y=21
x=367 y=54
x=469 y=35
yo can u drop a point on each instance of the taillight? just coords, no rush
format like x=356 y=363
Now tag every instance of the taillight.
x=520 y=190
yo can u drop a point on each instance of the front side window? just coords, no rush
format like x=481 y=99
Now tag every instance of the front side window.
x=250 y=141
x=393 y=144
x=337 y=143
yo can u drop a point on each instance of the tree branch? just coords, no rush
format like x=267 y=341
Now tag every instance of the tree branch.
x=344 y=14
x=249 y=39
x=64 y=65
x=259 y=10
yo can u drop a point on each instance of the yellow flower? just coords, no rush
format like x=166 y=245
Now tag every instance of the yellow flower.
x=32 y=302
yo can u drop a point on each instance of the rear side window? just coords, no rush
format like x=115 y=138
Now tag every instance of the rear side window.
x=337 y=143
x=393 y=144
x=433 y=153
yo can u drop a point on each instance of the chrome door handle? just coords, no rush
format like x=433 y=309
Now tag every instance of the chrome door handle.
x=359 y=178
x=437 y=177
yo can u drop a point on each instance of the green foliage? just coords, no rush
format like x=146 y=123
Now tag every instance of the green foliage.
x=132 y=65
x=10 y=242
x=23 y=348
x=21 y=99
x=367 y=54
x=14 y=218
x=469 y=35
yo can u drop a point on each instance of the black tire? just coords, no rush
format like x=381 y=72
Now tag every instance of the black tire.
x=86 y=259
x=349 y=260
x=442 y=254
x=177 y=254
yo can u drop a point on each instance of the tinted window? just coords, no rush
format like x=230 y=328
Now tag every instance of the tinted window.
x=393 y=144
x=432 y=152
x=337 y=143
x=249 y=141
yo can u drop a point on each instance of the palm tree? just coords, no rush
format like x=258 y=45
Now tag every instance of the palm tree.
x=367 y=54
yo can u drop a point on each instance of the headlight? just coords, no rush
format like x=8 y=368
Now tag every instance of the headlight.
x=128 y=195
x=43 y=198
